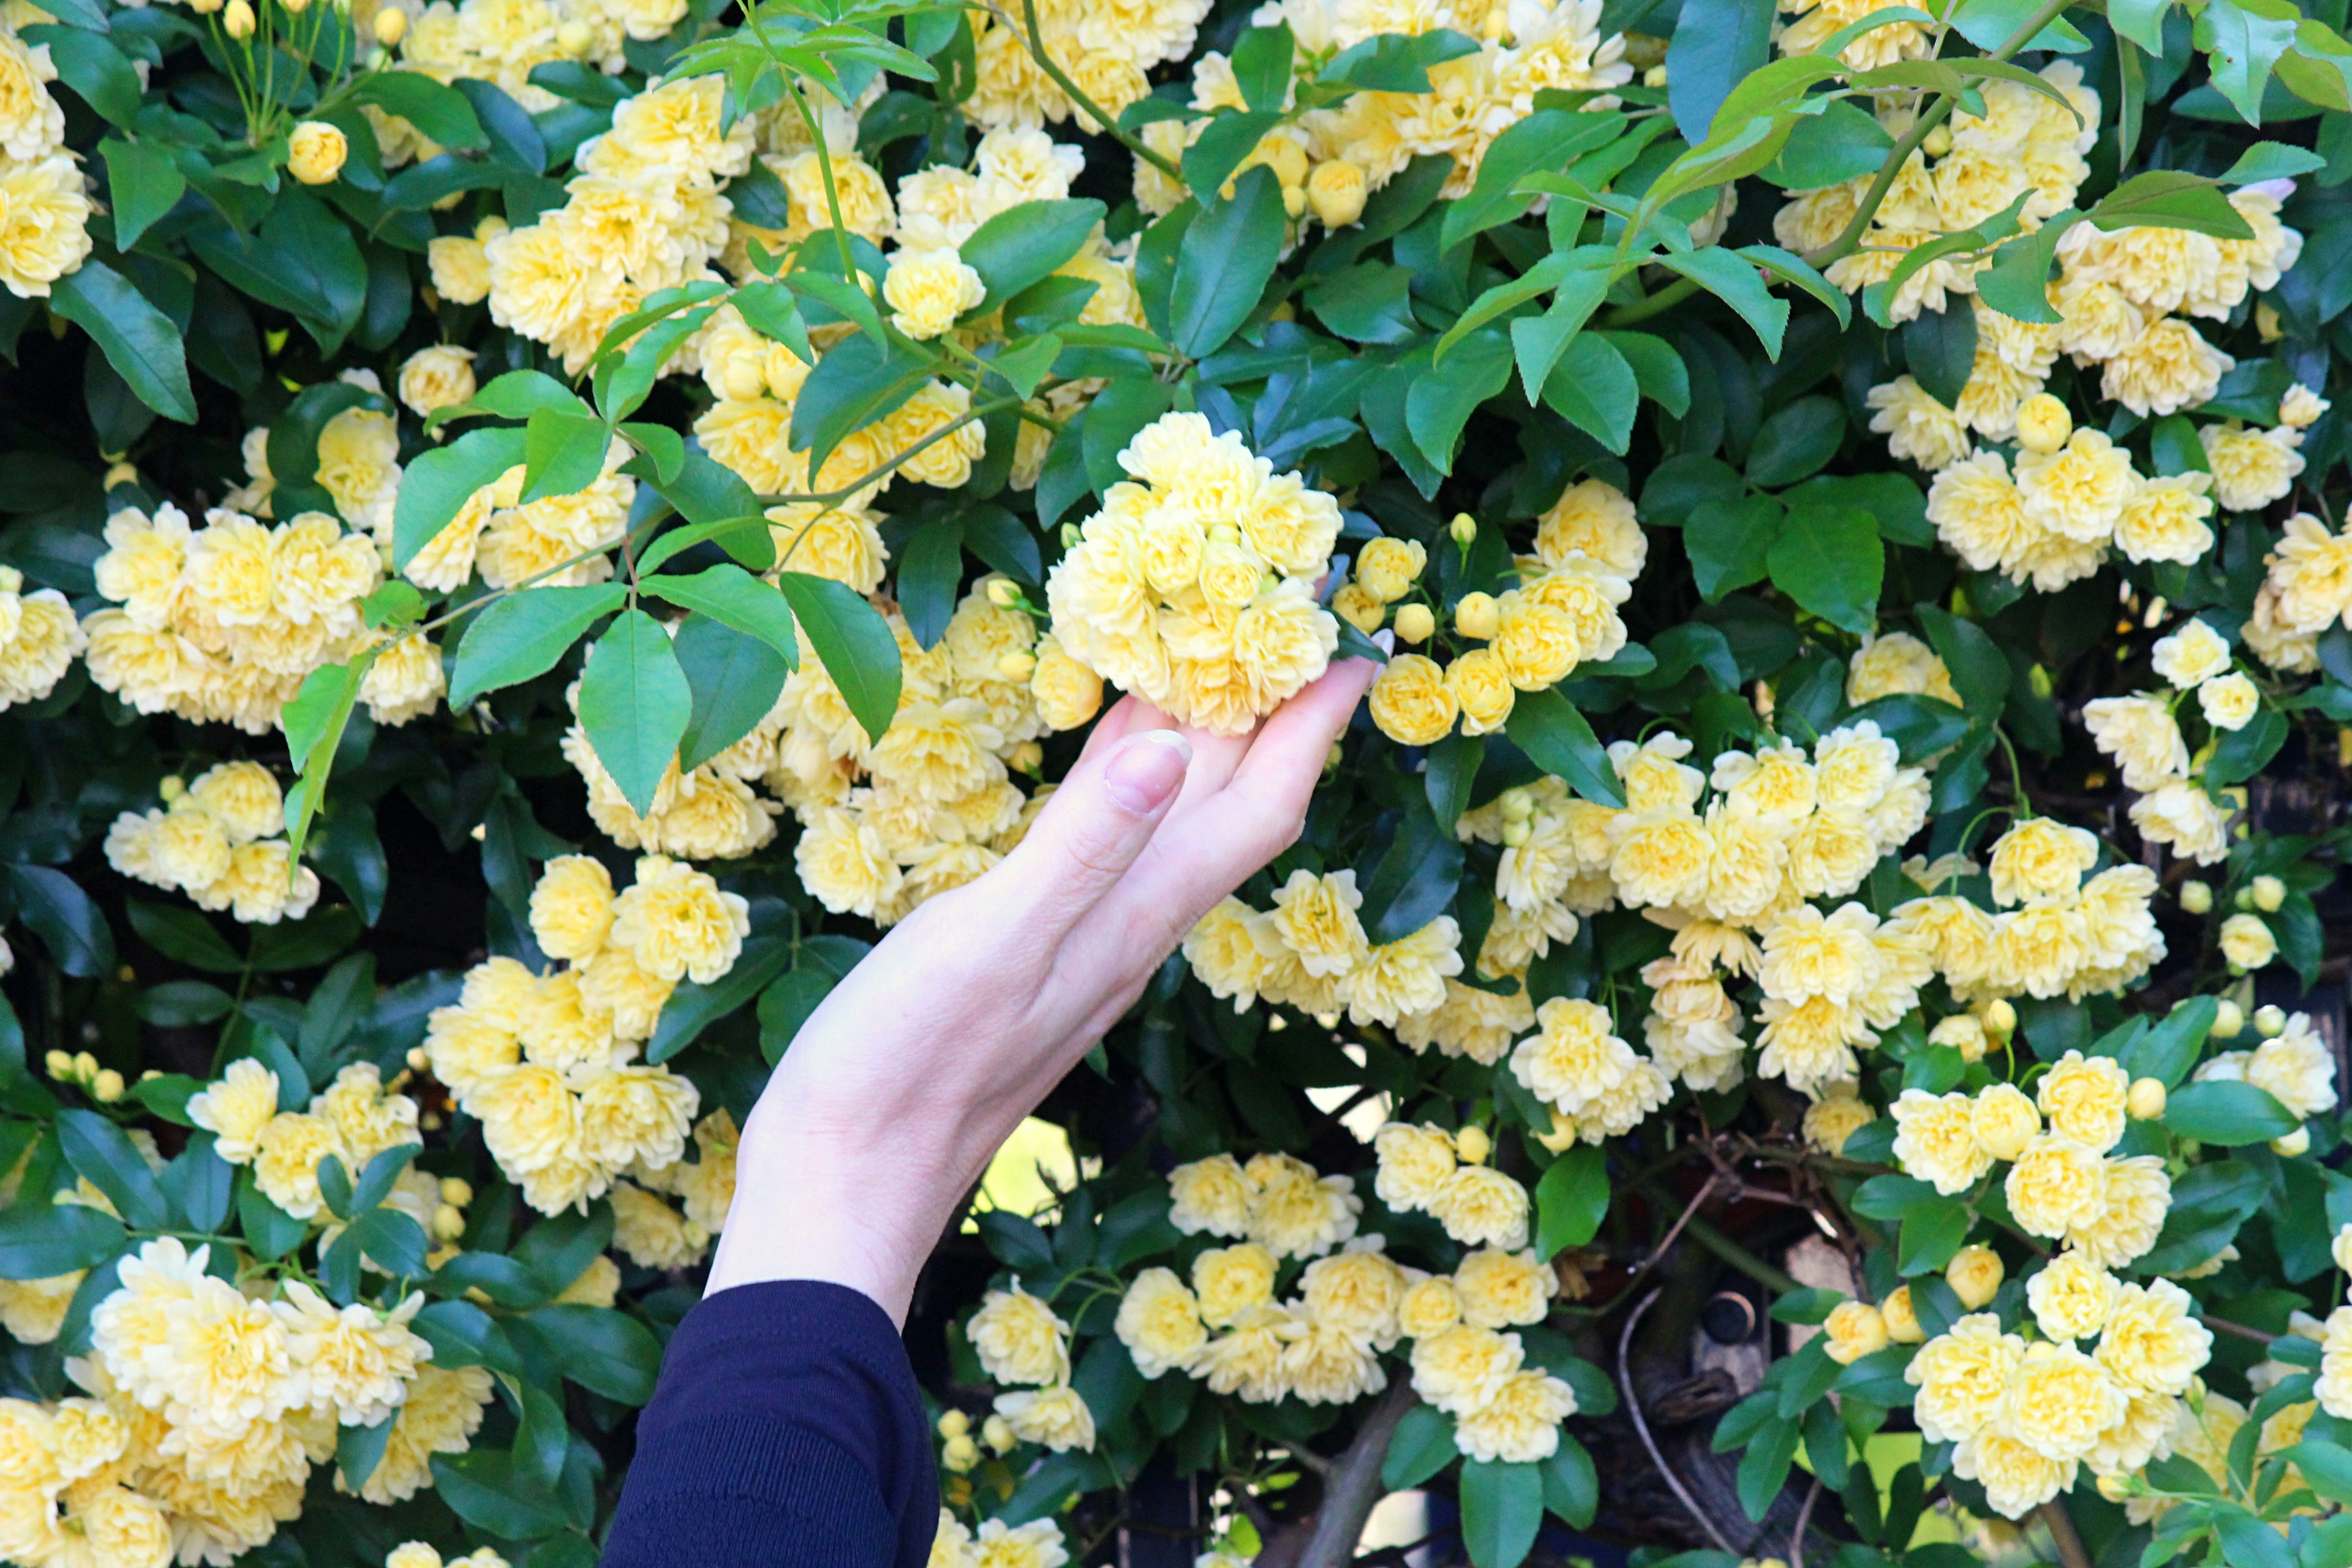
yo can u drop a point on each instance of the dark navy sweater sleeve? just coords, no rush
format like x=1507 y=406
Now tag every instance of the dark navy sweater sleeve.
x=786 y=1432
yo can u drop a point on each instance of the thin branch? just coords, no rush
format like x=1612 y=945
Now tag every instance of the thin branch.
x=2240 y=1329
x=1804 y=1518
x=1076 y=94
x=1642 y=1425
x=2063 y=1534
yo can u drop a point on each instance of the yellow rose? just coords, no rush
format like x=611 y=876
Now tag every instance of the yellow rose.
x=1481 y=685
x=2055 y=1184
x=1159 y=1323
x=1018 y=1339
x=1902 y=1319
x=1935 y=1140
x=2083 y=1098
x=1230 y=1280
x=2070 y=1296
x=1413 y=701
x=1852 y=1330
x=315 y=151
x=1974 y=1274
x=1336 y=190
x=1388 y=568
x=928 y=290
x=2004 y=1119
x=2247 y=942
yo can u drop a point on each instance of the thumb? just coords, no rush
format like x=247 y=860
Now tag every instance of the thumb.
x=1096 y=826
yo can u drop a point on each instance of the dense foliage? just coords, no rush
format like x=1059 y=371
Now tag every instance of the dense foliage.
x=578 y=512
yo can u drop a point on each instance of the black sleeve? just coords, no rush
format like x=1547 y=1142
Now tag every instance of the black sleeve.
x=786 y=1431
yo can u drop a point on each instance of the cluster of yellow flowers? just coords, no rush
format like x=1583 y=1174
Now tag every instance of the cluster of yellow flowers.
x=204 y=1410
x=356 y=1119
x=1279 y=1204
x=2293 y=1065
x=2028 y=1414
x=2307 y=590
x=1036 y=1544
x=1309 y=951
x=503 y=41
x=1443 y=1174
x=1589 y=549
x=547 y=1062
x=221 y=841
x=938 y=805
x=1106 y=49
x=1020 y=1341
x=642 y=213
x=221 y=624
x=44 y=210
x=359 y=466
x=2140 y=733
x=417 y=1554
x=512 y=545
x=1327 y=159
x=39 y=638
x=1193 y=587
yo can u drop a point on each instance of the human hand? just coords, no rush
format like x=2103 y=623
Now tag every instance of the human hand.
x=898 y=1089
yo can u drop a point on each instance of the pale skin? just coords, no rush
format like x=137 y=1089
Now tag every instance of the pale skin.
x=899 y=1089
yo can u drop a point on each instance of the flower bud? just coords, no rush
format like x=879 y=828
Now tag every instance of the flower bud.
x=1004 y=593
x=2295 y=1144
x=1027 y=757
x=1476 y=616
x=122 y=474
x=1416 y=623
x=85 y=1067
x=2269 y=894
x=1517 y=805
x=1336 y=189
x=390 y=26
x=954 y=1424
x=1070 y=536
x=1015 y=665
x=2000 y=1017
x=2146 y=1100
x=151 y=1073
x=1938 y=142
x=574 y=37
x=2247 y=943
x=960 y=1454
x=1964 y=1033
x=457 y=1191
x=1902 y=1321
x=107 y=1086
x=2270 y=1021
x=1975 y=1274
x=997 y=1433
x=1516 y=834
x=2043 y=424
x=2038 y=677
x=744 y=376
x=61 y=1065
x=2243 y=899
x=238 y=19
x=1293 y=201
x=2196 y=898
x=417 y=1060
x=448 y=1223
x=1464 y=528
x=1854 y=1329
x=2115 y=1486
x=315 y=152
x=1333 y=758
x=1472 y=1145
x=2229 y=1021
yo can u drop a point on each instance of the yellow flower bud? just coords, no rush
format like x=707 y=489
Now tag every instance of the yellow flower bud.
x=238 y=19
x=85 y=1067
x=2000 y=1017
x=2270 y=1021
x=1517 y=805
x=954 y=1424
x=2115 y=1486
x=997 y=1433
x=960 y=1455
x=448 y=1224
x=1336 y=190
x=1901 y=1321
x=2038 y=677
x=1414 y=624
x=2229 y=1022
x=1464 y=528
x=1477 y=617
x=2146 y=1100
x=390 y=26
x=574 y=37
x=2269 y=894
x=2295 y=1144
x=315 y=152
x=109 y=1087
x=1938 y=142
x=1004 y=593
x=744 y=376
x=1516 y=834
x=456 y=1192
x=172 y=787
x=2042 y=423
x=1015 y=665
x=59 y=1064
x=2196 y=898
x=1472 y=1145
x=1975 y=1273
x=1293 y=202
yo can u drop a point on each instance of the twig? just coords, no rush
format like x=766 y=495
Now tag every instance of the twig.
x=1804 y=1518
x=1352 y=1483
x=1665 y=1244
x=1642 y=1425
x=2240 y=1329
x=2063 y=1535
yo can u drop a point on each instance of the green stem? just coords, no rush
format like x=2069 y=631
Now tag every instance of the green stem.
x=1849 y=239
x=1666 y=298
x=1077 y=95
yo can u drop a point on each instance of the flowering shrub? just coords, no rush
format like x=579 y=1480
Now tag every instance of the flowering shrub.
x=581 y=512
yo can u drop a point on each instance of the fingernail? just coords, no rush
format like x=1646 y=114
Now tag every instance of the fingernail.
x=1147 y=769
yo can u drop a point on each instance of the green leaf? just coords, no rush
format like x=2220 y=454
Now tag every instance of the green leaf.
x=2326 y=1466
x=634 y=704
x=65 y=917
x=1020 y=246
x=101 y=1154
x=441 y=113
x=1370 y=302
x=1538 y=341
x=140 y=341
x=735 y=678
x=1421 y=1445
x=2219 y=1111
x=563 y=454
x=1931 y=1234
x=1663 y=378
x=1556 y=738
x=788 y=1004
x=2169 y=198
x=2141 y=21
x=1792 y=269
x=2244 y=39
x=1595 y=390
x=605 y=1352
x=930 y=567
x=1393 y=62
x=853 y=644
x=1830 y=561
x=2017 y=283
x=269 y=1231
x=522 y=636
x=1729 y=542
x=1990 y=24
x=142 y=183
x=1502 y=1509
x=1716 y=45
x=514 y=136
x=485 y=1488
x=1571 y=1200
x=2167 y=1051
x=1571 y=1487
x=734 y=596
x=1441 y=400
x=88 y=63
x=693 y=1008
x=1262 y=62
x=2244 y=752
x=1223 y=265
x=1218 y=151
x=1735 y=282
x=1941 y=349
x=2272 y=161
x=437 y=484
x=1840 y=143
x=39 y=1240
x=1545 y=140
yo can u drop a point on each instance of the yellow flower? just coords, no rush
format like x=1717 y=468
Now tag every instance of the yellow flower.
x=366 y=1121
x=1918 y=428
x=1415 y=1163
x=1056 y=1417
x=459 y=269
x=1159 y=1323
x=1495 y=1290
x=2041 y=859
x=315 y=151
x=1228 y=1280
x=1067 y=692
x=2247 y=942
x=1460 y=1369
x=1852 y=1330
x=1315 y=918
x=1018 y=1339
x=2016 y=1476
x=637 y=1115
x=1520 y=1423
x=1212 y=1194
x=1838 y=1115
x=440 y=1415
x=2167 y=368
x=2229 y=701
x=1388 y=568
x=1576 y=1059
x=288 y=1151
x=1294 y=1213
x=2252 y=468
x=2140 y=733
x=1481 y=685
x=2137 y=1194
x=1935 y=1140
x=2153 y=1342
x=572 y=906
x=2004 y=1119
x=2055 y=1184
x=2083 y=1098
x=1479 y=1205
x=1412 y=702
x=2071 y=1298
x=677 y=924
x=927 y=290
x=1902 y=1319
x=1962 y=1377
x=358 y=1359
x=44 y=224
x=1336 y=190
x=2335 y=1381
x=1975 y=1275
x=236 y=1109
